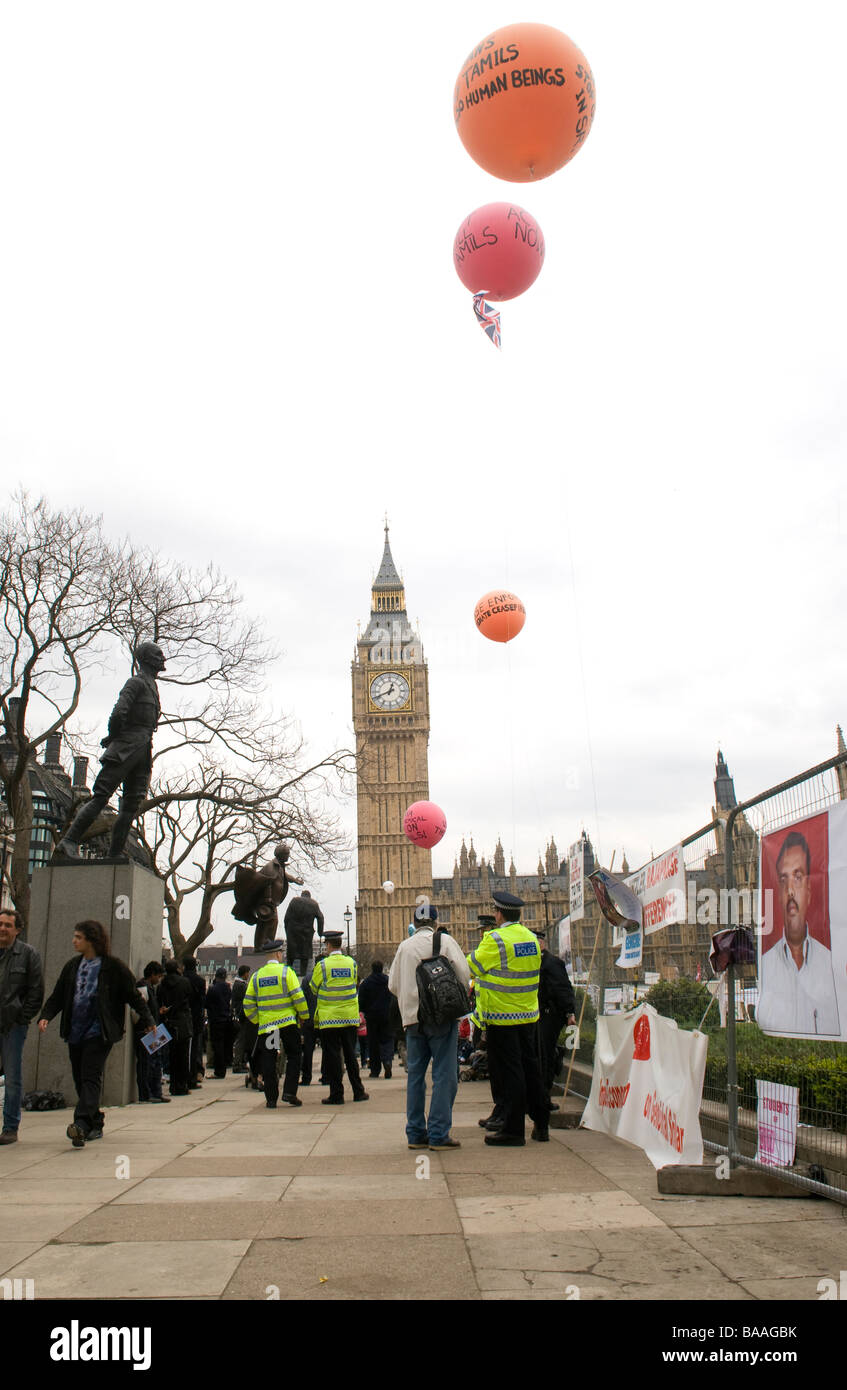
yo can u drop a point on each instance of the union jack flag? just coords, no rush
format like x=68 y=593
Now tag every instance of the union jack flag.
x=487 y=317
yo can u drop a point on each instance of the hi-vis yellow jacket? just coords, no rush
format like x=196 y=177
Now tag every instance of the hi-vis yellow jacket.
x=505 y=967
x=274 y=999
x=334 y=985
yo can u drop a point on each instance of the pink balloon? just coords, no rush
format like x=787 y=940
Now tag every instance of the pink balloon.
x=424 y=824
x=498 y=251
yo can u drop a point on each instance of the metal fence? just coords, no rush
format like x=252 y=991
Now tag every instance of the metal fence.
x=818 y=1070
x=725 y=858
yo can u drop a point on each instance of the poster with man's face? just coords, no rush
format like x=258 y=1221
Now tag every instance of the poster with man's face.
x=802 y=942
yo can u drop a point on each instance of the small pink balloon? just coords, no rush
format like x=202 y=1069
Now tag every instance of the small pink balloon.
x=498 y=251
x=424 y=824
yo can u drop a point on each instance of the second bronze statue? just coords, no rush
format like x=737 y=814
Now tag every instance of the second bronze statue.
x=259 y=892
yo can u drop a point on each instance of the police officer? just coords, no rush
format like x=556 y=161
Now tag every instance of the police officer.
x=334 y=985
x=506 y=966
x=274 y=1001
x=556 y=1006
x=128 y=759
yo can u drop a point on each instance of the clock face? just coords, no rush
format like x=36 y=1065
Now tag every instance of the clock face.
x=390 y=690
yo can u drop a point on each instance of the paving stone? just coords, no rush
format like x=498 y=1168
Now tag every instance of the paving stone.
x=155 y=1269
x=761 y=1250
x=551 y=1211
x=551 y=1251
x=273 y=1143
x=507 y=1184
x=364 y=1188
x=264 y=1165
x=216 y=1189
x=169 y=1222
x=418 y=1268
x=398 y=1217
x=99 y=1163
x=93 y=1191
x=13 y=1251
x=718 y=1211
x=40 y=1223
x=803 y=1288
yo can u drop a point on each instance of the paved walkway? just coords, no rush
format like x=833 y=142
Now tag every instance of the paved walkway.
x=214 y=1196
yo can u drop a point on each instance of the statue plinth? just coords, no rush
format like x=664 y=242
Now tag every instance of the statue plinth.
x=129 y=900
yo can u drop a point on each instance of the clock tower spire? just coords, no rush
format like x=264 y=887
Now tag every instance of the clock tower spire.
x=391 y=723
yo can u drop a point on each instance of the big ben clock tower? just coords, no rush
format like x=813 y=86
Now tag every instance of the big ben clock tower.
x=391 y=723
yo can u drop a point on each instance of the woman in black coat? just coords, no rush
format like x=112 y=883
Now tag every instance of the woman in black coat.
x=91 y=995
x=175 y=995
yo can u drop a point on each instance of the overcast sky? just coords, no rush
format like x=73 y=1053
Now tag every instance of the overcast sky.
x=229 y=320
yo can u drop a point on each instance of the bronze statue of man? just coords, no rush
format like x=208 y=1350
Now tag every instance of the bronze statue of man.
x=128 y=759
x=258 y=894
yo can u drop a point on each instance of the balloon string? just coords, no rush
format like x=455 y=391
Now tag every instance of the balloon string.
x=508 y=586
x=584 y=690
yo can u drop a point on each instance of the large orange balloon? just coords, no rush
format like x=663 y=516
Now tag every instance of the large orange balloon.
x=500 y=615
x=524 y=102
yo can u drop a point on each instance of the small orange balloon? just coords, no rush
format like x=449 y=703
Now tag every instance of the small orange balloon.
x=524 y=102
x=500 y=615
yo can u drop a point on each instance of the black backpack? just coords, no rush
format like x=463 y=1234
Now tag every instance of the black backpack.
x=441 y=996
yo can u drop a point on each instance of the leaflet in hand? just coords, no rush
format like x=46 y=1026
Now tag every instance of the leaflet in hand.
x=154 y=1041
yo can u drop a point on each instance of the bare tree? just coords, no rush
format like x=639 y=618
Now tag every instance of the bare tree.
x=55 y=590
x=229 y=777
x=202 y=822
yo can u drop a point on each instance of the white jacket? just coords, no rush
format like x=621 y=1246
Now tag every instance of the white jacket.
x=402 y=979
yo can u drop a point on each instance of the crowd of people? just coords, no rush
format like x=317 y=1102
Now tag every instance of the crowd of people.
x=268 y=1022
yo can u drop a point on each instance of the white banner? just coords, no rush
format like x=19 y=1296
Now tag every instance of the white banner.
x=563 y=945
x=647 y=1084
x=776 y=1123
x=576 y=877
x=660 y=888
x=803 y=935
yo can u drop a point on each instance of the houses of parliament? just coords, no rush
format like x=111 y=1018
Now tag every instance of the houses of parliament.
x=391 y=720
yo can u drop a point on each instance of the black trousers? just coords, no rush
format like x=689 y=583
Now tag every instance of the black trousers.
x=148 y=1072
x=180 y=1053
x=380 y=1042
x=516 y=1083
x=244 y=1043
x=265 y=1057
x=550 y=1025
x=196 y=1064
x=220 y=1038
x=337 y=1043
x=308 y=1051
x=88 y=1062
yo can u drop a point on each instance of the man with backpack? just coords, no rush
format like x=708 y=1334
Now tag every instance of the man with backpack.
x=429 y=977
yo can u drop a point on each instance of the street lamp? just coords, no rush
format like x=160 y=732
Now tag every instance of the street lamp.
x=544 y=887
x=348 y=917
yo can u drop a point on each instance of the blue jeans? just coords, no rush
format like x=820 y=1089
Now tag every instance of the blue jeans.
x=442 y=1049
x=12 y=1044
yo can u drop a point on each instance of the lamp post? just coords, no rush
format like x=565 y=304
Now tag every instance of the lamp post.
x=544 y=888
x=348 y=917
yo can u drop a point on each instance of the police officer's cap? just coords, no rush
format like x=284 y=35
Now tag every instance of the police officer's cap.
x=269 y=946
x=334 y=936
x=507 y=900
x=540 y=932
